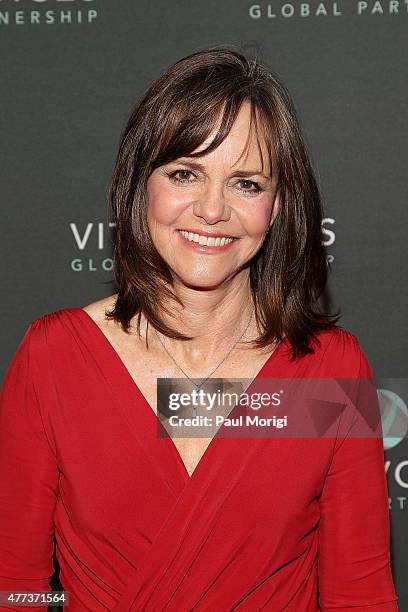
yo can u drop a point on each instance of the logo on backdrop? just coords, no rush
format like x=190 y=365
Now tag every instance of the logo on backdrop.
x=392 y=394
x=303 y=10
x=397 y=474
x=47 y=12
x=92 y=241
x=329 y=236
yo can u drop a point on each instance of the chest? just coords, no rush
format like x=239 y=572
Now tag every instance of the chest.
x=245 y=364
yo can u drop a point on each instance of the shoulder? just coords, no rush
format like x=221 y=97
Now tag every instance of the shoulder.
x=336 y=340
x=56 y=332
x=340 y=353
x=33 y=349
x=43 y=333
x=55 y=323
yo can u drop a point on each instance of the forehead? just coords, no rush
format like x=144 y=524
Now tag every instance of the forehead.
x=245 y=143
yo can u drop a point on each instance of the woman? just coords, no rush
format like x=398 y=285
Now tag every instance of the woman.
x=219 y=265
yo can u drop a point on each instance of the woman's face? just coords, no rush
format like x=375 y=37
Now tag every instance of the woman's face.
x=212 y=196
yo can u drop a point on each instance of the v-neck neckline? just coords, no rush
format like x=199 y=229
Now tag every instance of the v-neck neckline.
x=149 y=410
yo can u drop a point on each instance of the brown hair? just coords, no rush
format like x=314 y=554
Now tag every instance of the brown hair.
x=175 y=116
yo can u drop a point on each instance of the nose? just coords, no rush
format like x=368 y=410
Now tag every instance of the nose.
x=212 y=206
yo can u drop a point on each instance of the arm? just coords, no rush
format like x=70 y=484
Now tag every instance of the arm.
x=28 y=479
x=354 y=571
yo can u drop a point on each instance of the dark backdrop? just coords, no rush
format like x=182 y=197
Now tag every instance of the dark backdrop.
x=71 y=71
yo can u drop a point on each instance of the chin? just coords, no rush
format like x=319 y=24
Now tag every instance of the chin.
x=194 y=282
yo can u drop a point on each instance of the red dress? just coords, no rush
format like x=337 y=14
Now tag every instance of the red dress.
x=292 y=524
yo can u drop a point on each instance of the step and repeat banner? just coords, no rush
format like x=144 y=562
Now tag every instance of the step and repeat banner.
x=71 y=72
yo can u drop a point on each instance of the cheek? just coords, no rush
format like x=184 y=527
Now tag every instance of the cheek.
x=164 y=207
x=255 y=219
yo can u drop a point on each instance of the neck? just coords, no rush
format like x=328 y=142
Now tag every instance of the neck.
x=215 y=318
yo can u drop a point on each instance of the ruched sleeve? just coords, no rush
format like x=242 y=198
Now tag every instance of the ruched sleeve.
x=354 y=572
x=28 y=476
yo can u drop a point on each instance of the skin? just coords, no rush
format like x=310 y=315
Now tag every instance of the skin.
x=214 y=287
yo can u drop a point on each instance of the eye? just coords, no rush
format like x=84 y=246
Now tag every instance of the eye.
x=183 y=172
x=181 y=176
x=257 y=187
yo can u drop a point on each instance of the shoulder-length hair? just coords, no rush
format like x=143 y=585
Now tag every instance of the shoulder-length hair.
x=175 y=116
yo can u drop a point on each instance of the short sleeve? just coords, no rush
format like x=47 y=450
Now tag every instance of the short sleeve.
x=28 y=477
x=354 y=572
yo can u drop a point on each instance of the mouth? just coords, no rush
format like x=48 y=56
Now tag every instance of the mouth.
x=206 y=241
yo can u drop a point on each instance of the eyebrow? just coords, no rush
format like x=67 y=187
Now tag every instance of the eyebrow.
x=197 y=166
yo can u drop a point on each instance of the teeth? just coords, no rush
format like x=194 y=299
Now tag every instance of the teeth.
x=206 y=240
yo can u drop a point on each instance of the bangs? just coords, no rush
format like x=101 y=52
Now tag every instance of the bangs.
x=187 y=131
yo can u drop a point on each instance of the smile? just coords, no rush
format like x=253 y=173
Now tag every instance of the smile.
x=206 y=244
x=206 y=240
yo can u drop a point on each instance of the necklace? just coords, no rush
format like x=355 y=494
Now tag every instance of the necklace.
x=194 y=413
